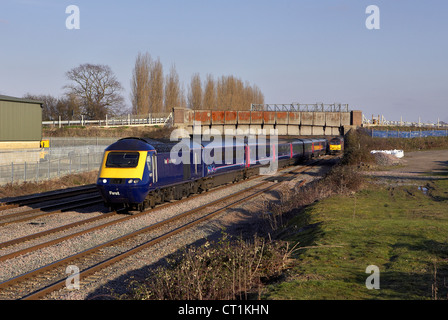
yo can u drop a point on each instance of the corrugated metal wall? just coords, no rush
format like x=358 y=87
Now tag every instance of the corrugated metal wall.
x=20 y=121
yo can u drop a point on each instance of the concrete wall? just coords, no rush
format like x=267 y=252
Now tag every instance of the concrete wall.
x=287 y=123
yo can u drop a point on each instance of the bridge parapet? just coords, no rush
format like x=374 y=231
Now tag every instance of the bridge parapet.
x=287 y=122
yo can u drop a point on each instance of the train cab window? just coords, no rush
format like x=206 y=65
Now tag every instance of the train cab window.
x=122 y=159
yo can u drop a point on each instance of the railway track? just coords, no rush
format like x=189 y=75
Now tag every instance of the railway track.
x=42 y=281
x=50 y=209
x=46 y=196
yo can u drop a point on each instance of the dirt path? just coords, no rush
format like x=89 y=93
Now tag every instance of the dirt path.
x=417 y=165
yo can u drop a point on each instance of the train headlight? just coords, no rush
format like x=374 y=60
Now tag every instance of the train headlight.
x=135 y=181
x=102 y=181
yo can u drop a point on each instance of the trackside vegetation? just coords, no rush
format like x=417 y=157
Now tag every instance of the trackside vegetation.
x=400 y=228
x=316 y=242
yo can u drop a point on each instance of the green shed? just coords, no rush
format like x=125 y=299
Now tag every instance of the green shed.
x=20 y=120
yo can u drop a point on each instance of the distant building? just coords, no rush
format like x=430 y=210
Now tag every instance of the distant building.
x=20 y=123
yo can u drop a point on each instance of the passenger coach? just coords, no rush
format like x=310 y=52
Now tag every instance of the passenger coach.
x=138 y=172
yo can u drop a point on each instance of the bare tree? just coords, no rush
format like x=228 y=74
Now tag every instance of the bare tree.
x=66 y=107
x=183 y=99
x=140 y=84
x=209 y=93
x=156 y=80
x=172 y=90
x=233 y=94
x=97 y=88
x=195 y=95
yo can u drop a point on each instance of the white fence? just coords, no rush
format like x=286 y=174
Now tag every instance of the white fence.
x=48 y=168
x=129 y=120
x=65 y=156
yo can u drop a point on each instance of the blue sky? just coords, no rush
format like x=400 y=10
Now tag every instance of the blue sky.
x=295 y=51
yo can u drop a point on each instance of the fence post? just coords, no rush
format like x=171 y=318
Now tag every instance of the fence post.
x=24 y=172
x=12 y=172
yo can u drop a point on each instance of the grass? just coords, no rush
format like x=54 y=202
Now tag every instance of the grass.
x=399 y=229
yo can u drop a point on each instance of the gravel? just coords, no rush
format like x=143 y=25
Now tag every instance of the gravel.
x=116 y=277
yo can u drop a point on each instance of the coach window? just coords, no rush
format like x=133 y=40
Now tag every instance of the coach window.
x=154 y=166
x=149 y=163
x=195 y=162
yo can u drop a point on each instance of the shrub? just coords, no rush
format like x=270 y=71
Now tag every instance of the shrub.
x=223 y=270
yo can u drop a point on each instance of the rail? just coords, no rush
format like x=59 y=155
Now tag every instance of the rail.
x=98 y=261
x=299 y=107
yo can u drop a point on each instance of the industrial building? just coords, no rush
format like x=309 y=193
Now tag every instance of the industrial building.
x=20 y=123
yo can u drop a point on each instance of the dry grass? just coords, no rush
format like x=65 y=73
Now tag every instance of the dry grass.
x=228 y=269
x=341 y=180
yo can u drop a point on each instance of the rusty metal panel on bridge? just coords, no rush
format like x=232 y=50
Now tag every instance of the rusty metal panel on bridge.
x=243 y=117
x=307 y=118
x=202 y=116
x=218 y=117
x=230 y=117
x=269 y=117
x=256 y=117
x=188 y=116
x=294 y=118
x=319 y=118
x=332 y=119
x=282 y=117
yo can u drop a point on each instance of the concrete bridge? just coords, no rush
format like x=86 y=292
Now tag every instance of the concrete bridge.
x=288 y=123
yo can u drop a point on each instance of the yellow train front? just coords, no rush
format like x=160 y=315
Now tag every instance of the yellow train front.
x=126 y=173
x=336 y=145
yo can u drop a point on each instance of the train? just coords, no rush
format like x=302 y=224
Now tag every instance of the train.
x=137 y=173
x=336 y=146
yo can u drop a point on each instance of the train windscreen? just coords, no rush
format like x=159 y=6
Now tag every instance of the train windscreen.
x=122 y=159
